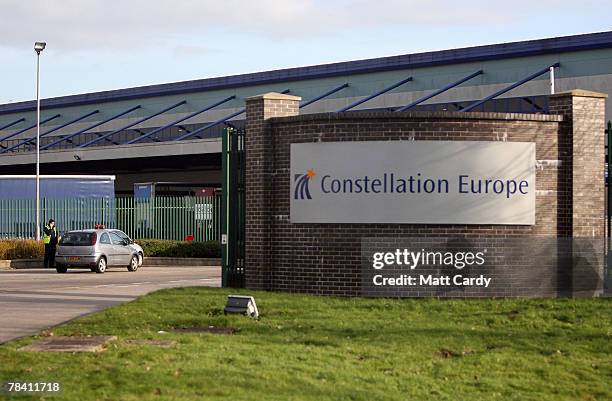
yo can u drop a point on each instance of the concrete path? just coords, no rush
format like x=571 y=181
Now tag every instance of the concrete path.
x=35 y=299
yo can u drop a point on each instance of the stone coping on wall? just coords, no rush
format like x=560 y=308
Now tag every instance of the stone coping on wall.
x=580 y=93
x=418 y=115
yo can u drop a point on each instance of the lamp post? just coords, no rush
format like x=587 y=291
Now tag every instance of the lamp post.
x=38 y=48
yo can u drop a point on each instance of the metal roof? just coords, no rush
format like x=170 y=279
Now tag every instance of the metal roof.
x=454 y=56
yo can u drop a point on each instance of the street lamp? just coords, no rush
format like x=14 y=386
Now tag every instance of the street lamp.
x=38 y=48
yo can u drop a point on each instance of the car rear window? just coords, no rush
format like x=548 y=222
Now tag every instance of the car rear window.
x=76 y=239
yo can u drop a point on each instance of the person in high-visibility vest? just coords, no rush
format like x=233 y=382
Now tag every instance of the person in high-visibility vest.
x=50 y=241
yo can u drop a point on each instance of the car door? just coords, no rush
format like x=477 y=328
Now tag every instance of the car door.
x=124 y=236
x=123 y=252
x=106 y=247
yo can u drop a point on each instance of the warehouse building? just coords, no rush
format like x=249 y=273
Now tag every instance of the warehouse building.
x=170 y=133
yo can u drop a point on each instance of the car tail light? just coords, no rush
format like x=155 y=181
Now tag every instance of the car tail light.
x=94 y=238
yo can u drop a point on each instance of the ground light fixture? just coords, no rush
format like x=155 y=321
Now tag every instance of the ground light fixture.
x=242 y=304
x=38 y=48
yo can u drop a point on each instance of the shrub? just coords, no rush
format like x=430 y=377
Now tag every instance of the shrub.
x=30 y=249
x=180 y=249
x=21 y=249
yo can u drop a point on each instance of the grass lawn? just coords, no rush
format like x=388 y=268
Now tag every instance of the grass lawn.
x=319 y=348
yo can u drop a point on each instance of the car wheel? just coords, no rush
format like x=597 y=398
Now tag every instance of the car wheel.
x=101 y=265
x=61 y=269
x=133 y=266
x=140 y=259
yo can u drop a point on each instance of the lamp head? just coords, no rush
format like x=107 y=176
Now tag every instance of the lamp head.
x=39 y=47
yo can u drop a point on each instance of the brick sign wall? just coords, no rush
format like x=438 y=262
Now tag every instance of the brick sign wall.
x=327 y=258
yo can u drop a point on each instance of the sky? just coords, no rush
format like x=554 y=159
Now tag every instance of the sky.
x=95 y=45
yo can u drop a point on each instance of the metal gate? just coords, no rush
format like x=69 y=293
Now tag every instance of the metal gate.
x=608 y=174
x=608 y=206
x=232 y=208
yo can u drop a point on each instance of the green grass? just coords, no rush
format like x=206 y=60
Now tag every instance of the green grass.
x=319 y=348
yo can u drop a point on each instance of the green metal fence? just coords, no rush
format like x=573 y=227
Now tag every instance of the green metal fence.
x=162 y=217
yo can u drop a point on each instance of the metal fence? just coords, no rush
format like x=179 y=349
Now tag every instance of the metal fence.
x=162 y=217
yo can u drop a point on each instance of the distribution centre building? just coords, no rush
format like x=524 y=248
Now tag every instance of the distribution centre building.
x=171 y=132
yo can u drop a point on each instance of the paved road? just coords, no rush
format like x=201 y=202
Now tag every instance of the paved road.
x=32 y=300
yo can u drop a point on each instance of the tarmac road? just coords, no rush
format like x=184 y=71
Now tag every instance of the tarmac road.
x=35 y=299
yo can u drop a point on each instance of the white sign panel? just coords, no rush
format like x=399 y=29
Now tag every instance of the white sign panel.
x=421 y=182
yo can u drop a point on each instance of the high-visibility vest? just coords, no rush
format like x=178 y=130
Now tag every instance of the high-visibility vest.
x=46 y=237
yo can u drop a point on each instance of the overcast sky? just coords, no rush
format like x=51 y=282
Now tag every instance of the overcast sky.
x=109 y=44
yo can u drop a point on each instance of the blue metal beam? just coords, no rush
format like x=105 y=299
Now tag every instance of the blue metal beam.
x=31 y=139
x=11 y=124
x=436 y=93
x=155 y=131
x=326 y=94
x=79 y=132
x=387 y=89
x=534 y=106
x=477 y=103
x=210 y=125
x=215 y=123
x=28 y=128
x=182 y=102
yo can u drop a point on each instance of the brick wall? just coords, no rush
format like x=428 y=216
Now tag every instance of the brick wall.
x=260 y=181
x=326 y=258
x=582 y=131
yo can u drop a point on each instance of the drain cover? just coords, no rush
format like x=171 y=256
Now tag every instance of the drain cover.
x=206 y=329
x=69 y=344
x=152 y=343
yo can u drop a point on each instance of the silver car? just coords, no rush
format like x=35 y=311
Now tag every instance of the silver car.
x=96 y=250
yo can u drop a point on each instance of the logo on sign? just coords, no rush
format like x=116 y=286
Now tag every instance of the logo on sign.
x=302 y=191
